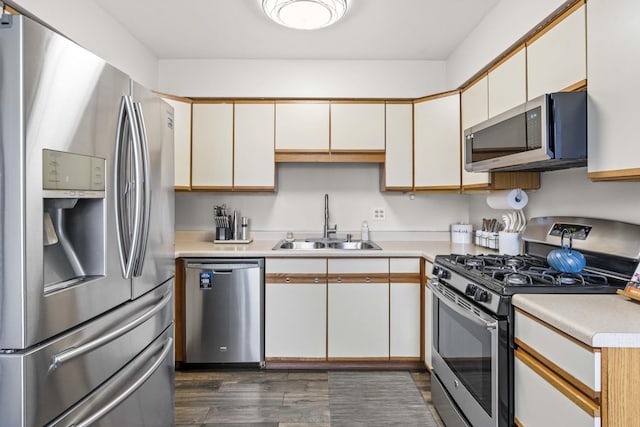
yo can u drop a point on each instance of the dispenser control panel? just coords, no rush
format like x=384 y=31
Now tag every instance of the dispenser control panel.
x=75 y=174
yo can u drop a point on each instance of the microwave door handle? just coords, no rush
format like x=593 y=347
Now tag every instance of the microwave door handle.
x=121 y=397
x=462 y=312
x=145 y=211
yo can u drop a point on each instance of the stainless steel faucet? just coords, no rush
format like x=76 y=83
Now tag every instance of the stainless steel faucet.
x=327 y=230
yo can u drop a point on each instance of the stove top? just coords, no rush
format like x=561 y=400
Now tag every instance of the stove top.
x=510 y=274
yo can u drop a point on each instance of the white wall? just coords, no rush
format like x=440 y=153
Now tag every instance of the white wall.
x=298 y=205
x=301 y=78
x=507 y=22
x=569 y=192
x=90 y=26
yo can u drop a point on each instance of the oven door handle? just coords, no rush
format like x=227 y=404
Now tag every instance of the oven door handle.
x=489 y=325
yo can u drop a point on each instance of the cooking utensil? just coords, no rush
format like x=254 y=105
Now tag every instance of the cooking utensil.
x=566 y=259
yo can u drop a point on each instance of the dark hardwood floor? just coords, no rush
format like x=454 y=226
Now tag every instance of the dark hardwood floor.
x=208 y=398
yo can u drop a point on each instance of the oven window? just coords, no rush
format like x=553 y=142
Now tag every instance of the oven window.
x=465 y=347
x=514 y=135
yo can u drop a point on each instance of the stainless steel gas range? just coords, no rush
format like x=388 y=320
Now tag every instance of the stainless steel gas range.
x=472 y=317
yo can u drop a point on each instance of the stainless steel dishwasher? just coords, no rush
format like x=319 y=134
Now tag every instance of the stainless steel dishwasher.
x=224 y=311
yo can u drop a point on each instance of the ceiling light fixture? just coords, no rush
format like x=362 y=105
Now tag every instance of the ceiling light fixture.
x=305 y=14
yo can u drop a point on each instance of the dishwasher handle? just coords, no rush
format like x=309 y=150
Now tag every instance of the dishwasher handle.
x=222 y=268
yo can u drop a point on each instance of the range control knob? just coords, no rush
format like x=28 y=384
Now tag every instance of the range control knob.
x=442 y=273
x=470 y=291
x=481 y=295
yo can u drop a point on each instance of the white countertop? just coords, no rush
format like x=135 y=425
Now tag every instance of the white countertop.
x=597 y=320
x=186 y=248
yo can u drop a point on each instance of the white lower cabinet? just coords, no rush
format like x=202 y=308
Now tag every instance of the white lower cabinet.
x=358 y=308
x=404 y=308
x=296 y=308
x=542 y=399
x=556 y=379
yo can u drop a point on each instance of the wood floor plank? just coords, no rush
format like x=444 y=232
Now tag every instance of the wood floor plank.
x=274 y=398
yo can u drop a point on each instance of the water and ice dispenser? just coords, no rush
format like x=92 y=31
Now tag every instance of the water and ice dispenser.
x=74 y=218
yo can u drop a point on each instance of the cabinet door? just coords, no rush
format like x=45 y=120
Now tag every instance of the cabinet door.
x=542 y=399
x=557 y=59
x=437 y=143
x=253 y=157
x=302 y=126
x=296 y=308
x=507 y=83
x=358 y=308
x=357 y=126
x=428 y=333
x=182 y=142
x=474 y=109
x=212 y=146
x=398 y=163
x=613 y=40
x=404 y=308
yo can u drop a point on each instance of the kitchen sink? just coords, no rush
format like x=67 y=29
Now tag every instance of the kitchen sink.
x=326 y=244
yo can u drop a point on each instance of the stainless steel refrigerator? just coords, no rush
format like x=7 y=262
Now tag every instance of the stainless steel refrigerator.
x=86 y=238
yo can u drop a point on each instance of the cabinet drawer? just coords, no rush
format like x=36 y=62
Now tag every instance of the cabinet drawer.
x=542 y=399
x=578 y=363
x=358 y=266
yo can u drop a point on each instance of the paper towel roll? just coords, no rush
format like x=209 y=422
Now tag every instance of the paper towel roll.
x=508 y=199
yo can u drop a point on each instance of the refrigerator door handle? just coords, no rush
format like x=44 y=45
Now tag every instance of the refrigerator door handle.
x=146 y=190
x=73 y=352
x=127 y=141
x=121 y=397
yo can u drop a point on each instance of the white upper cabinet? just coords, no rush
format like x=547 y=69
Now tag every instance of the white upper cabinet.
x=358 y=126
x=474 y=109
x=437 y=143
x=182 y=142
x=212 y=146
x=399 y=151
x=302 y=126
x=557 y=60
x=613 y=41
x=507 y=83
x=253 y=156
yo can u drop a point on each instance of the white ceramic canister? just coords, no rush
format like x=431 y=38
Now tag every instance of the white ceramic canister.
x=461 y=233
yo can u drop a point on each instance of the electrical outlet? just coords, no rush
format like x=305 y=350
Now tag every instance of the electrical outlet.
x=379 y=214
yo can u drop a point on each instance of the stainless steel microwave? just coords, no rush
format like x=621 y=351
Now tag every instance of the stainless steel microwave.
x=546 y=133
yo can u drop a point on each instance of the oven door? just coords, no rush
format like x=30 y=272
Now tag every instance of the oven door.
x=466 y=353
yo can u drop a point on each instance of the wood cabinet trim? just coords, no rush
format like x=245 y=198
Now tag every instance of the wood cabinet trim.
x=173 y=97
x=212 y=101
x=615 y=175
x=473 y=81
x=296 y=278
x=182 y=188
x=576 y=87
x=438 y=189
x=546 y=28
x=621 y=396
x=350 y=278
x=404 y=278
x=358 y=101
x=517 y=422
x=331 y=157
x=558 y=331
x=506 y=57
x=436 y=96
x=302 y=101
x=558 y=370
x=570 y=392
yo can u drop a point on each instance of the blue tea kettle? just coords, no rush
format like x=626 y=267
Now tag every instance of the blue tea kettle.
x=566 y=259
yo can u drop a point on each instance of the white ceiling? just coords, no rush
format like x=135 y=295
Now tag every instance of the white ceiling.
x=237 y=29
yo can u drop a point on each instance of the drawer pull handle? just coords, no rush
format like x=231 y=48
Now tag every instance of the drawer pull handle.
x=287 y=279
x=339 y=279
x=316 y=280
x=367 y=279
